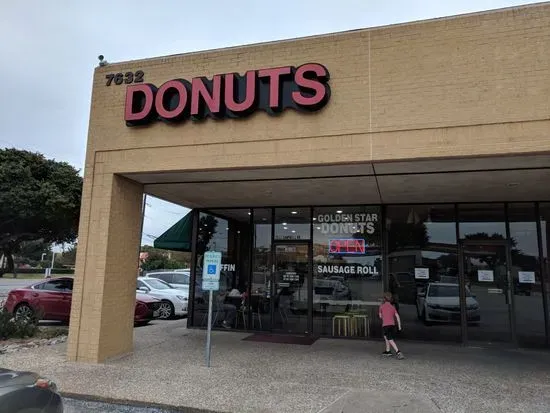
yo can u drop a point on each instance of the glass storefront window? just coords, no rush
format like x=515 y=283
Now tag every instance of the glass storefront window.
x=226 y=231
x=422 y=255
x=321 y=270
x=526 y=276
x=545 y=235
x=482 y=222
x=260 y=291
x=347 y=269
x=292 y=224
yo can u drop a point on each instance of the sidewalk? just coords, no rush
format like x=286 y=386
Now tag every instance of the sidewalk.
x=329 y=376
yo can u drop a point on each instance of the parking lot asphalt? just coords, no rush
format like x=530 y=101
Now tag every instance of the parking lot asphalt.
x=8 y=284
x=84 y=406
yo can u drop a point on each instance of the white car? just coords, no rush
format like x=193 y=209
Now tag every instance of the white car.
x=177 y=279
x=173 y=301
x=440 y=302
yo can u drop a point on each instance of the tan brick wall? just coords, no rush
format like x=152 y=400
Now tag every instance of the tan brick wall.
x=466 y=86
x=104 y=292
x=484 y=69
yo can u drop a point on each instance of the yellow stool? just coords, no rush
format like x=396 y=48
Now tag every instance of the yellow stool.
x=356 y=324
x=344 y=320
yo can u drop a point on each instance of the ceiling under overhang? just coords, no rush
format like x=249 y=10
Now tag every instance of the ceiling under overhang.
x=514 y=178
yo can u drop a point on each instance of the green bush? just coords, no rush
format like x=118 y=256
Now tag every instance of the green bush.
x=10 y=327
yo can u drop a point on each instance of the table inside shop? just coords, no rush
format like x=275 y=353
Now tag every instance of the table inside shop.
x=370 y=306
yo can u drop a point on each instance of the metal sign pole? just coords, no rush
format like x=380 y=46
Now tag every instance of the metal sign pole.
x=210 y=282
x=209 y=330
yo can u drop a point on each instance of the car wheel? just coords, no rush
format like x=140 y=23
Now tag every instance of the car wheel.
x=24 y=311
x=166 y=310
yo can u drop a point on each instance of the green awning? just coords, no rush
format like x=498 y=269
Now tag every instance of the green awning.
x=178 y=236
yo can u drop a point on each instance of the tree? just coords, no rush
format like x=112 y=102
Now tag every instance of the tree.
x=159 y=261
x=30 y=252
x=39 y=200
x=67 y=257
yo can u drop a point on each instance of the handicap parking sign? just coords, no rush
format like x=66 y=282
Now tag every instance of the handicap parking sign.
x=211 y=270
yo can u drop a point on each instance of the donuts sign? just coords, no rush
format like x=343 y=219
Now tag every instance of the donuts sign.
x=304 y=88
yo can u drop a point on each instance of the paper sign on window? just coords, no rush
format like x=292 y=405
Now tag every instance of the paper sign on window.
x=422 y=273
x=526 y=277
x=485 y=275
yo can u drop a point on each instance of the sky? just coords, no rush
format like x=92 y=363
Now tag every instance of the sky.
x=49 y=50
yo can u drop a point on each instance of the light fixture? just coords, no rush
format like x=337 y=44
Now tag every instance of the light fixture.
x=285 y=227
x=264 y=219
x=249 y=213
x=315 y=219
x=294 y=212
x=227 y=229
x=293 y=231
x=339 y=211
x=317 y=227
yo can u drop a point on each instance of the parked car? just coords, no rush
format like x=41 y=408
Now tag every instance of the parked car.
x=24 y=391
x=147 y=309
x=177 y=279
x=440 y=302
x=173 y=301
x=51 y=300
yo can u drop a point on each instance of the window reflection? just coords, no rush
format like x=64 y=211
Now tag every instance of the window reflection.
x=526 y=276
x=292 y=224
x=226 y=231
x=422 y=255
x=482 y=222
x=347 y=268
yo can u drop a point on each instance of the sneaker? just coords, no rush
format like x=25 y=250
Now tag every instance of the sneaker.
x=387 y=353
x=400 y=355
x=226 y=325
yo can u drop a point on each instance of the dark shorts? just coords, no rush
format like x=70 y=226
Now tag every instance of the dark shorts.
x=389 y=332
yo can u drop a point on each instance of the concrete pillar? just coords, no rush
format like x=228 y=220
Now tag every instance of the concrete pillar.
x=104 y=293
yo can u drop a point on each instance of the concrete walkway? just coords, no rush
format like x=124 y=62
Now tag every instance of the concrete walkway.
x=330 y=376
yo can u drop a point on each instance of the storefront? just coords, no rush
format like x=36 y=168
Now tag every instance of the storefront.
x=468 y=273
x=412 y=158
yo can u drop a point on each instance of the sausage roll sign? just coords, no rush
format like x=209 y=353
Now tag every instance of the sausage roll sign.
x=304 y=88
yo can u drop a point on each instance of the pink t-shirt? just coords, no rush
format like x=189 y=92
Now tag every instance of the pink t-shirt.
x=387 y=311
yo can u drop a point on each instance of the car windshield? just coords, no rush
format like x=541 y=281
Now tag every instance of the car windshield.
x=157 y=284
x=445 y=291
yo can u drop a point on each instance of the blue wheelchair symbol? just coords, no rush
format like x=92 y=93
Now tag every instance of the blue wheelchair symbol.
x=211 y=269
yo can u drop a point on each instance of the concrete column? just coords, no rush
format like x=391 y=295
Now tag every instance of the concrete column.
x=104 y=293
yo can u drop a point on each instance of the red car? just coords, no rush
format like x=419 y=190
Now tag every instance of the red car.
x=51 y=300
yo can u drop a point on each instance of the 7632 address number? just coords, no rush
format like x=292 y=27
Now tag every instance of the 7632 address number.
x=127 y=78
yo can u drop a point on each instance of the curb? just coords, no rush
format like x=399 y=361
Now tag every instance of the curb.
x=134 y=403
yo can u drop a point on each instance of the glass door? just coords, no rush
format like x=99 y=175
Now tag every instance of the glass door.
x=291 y=285
x=486 y=296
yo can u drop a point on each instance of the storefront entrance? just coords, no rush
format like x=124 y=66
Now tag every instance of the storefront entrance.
x=487 y=296
x=463 y=273
x=291 y=304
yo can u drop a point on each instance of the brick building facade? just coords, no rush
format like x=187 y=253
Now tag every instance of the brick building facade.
x=453 y=110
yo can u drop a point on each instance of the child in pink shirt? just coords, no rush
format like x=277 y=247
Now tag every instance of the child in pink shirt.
x=388 y=314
